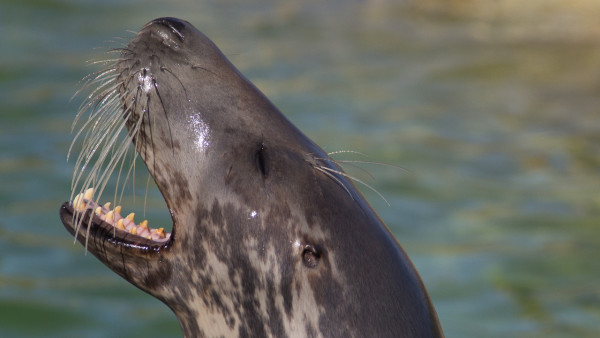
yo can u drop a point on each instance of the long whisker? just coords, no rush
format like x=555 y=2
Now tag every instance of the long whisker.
x=366 y=162
x=377 y=163
x=346 y=151
x=105 y=140
x=337 y=162
x=354 y=179
x=337 y=180
x=166 y=115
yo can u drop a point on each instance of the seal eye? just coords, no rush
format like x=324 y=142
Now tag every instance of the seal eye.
x=261 y=160
x=311 y=256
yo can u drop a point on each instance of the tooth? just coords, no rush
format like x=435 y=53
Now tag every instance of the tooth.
x=88 y=194
x=98 y=211
x=160 y=232
x=78 y=203
x=120 y=224
x=118 y=209
x=144 y=224
x=133 y=231
x=107 y=205
x=130 y=217
x=109 y=217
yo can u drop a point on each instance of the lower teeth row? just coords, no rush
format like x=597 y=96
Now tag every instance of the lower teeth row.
x=84 y=201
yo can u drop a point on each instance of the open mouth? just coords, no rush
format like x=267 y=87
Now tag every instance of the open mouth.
x=114 y=116
x=88 y=220
x=104 y=151
x=83 y=202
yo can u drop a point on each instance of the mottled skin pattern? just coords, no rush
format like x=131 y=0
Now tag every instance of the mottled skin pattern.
x=263 y=243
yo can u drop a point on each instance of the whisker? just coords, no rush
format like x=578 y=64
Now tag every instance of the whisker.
x=163 y=68
x=354 y=179
x=204 y=69
x=337 y=180
x=345 y=151
x=408 y=171
x=166 y=115
x=337 y=162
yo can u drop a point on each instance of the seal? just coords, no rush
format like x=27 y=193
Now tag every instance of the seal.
x=270 y=237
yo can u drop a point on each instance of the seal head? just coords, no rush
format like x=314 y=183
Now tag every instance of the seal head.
x=270 y=237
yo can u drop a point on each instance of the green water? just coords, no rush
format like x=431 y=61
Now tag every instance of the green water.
x=492 y=107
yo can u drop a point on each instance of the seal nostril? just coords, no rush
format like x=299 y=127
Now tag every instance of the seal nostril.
x=177 y=26
x=311 y=256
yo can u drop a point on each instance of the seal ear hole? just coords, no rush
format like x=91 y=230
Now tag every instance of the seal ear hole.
x=311 y=256
x=261 y=160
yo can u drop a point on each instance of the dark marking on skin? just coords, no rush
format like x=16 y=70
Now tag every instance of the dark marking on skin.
x=164 y=269
x=181 y=185
x=310 y=330
x=286 y=290
x=275 y=317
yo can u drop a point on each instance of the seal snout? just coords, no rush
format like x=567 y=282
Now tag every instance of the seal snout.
x=175 y=26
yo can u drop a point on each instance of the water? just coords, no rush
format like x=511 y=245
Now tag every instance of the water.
x=492 y=107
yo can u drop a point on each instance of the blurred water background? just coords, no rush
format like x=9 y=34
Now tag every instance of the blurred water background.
x=493 y=107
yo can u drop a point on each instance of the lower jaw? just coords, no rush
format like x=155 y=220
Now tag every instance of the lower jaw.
x=88 y=213
x=114 y=218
